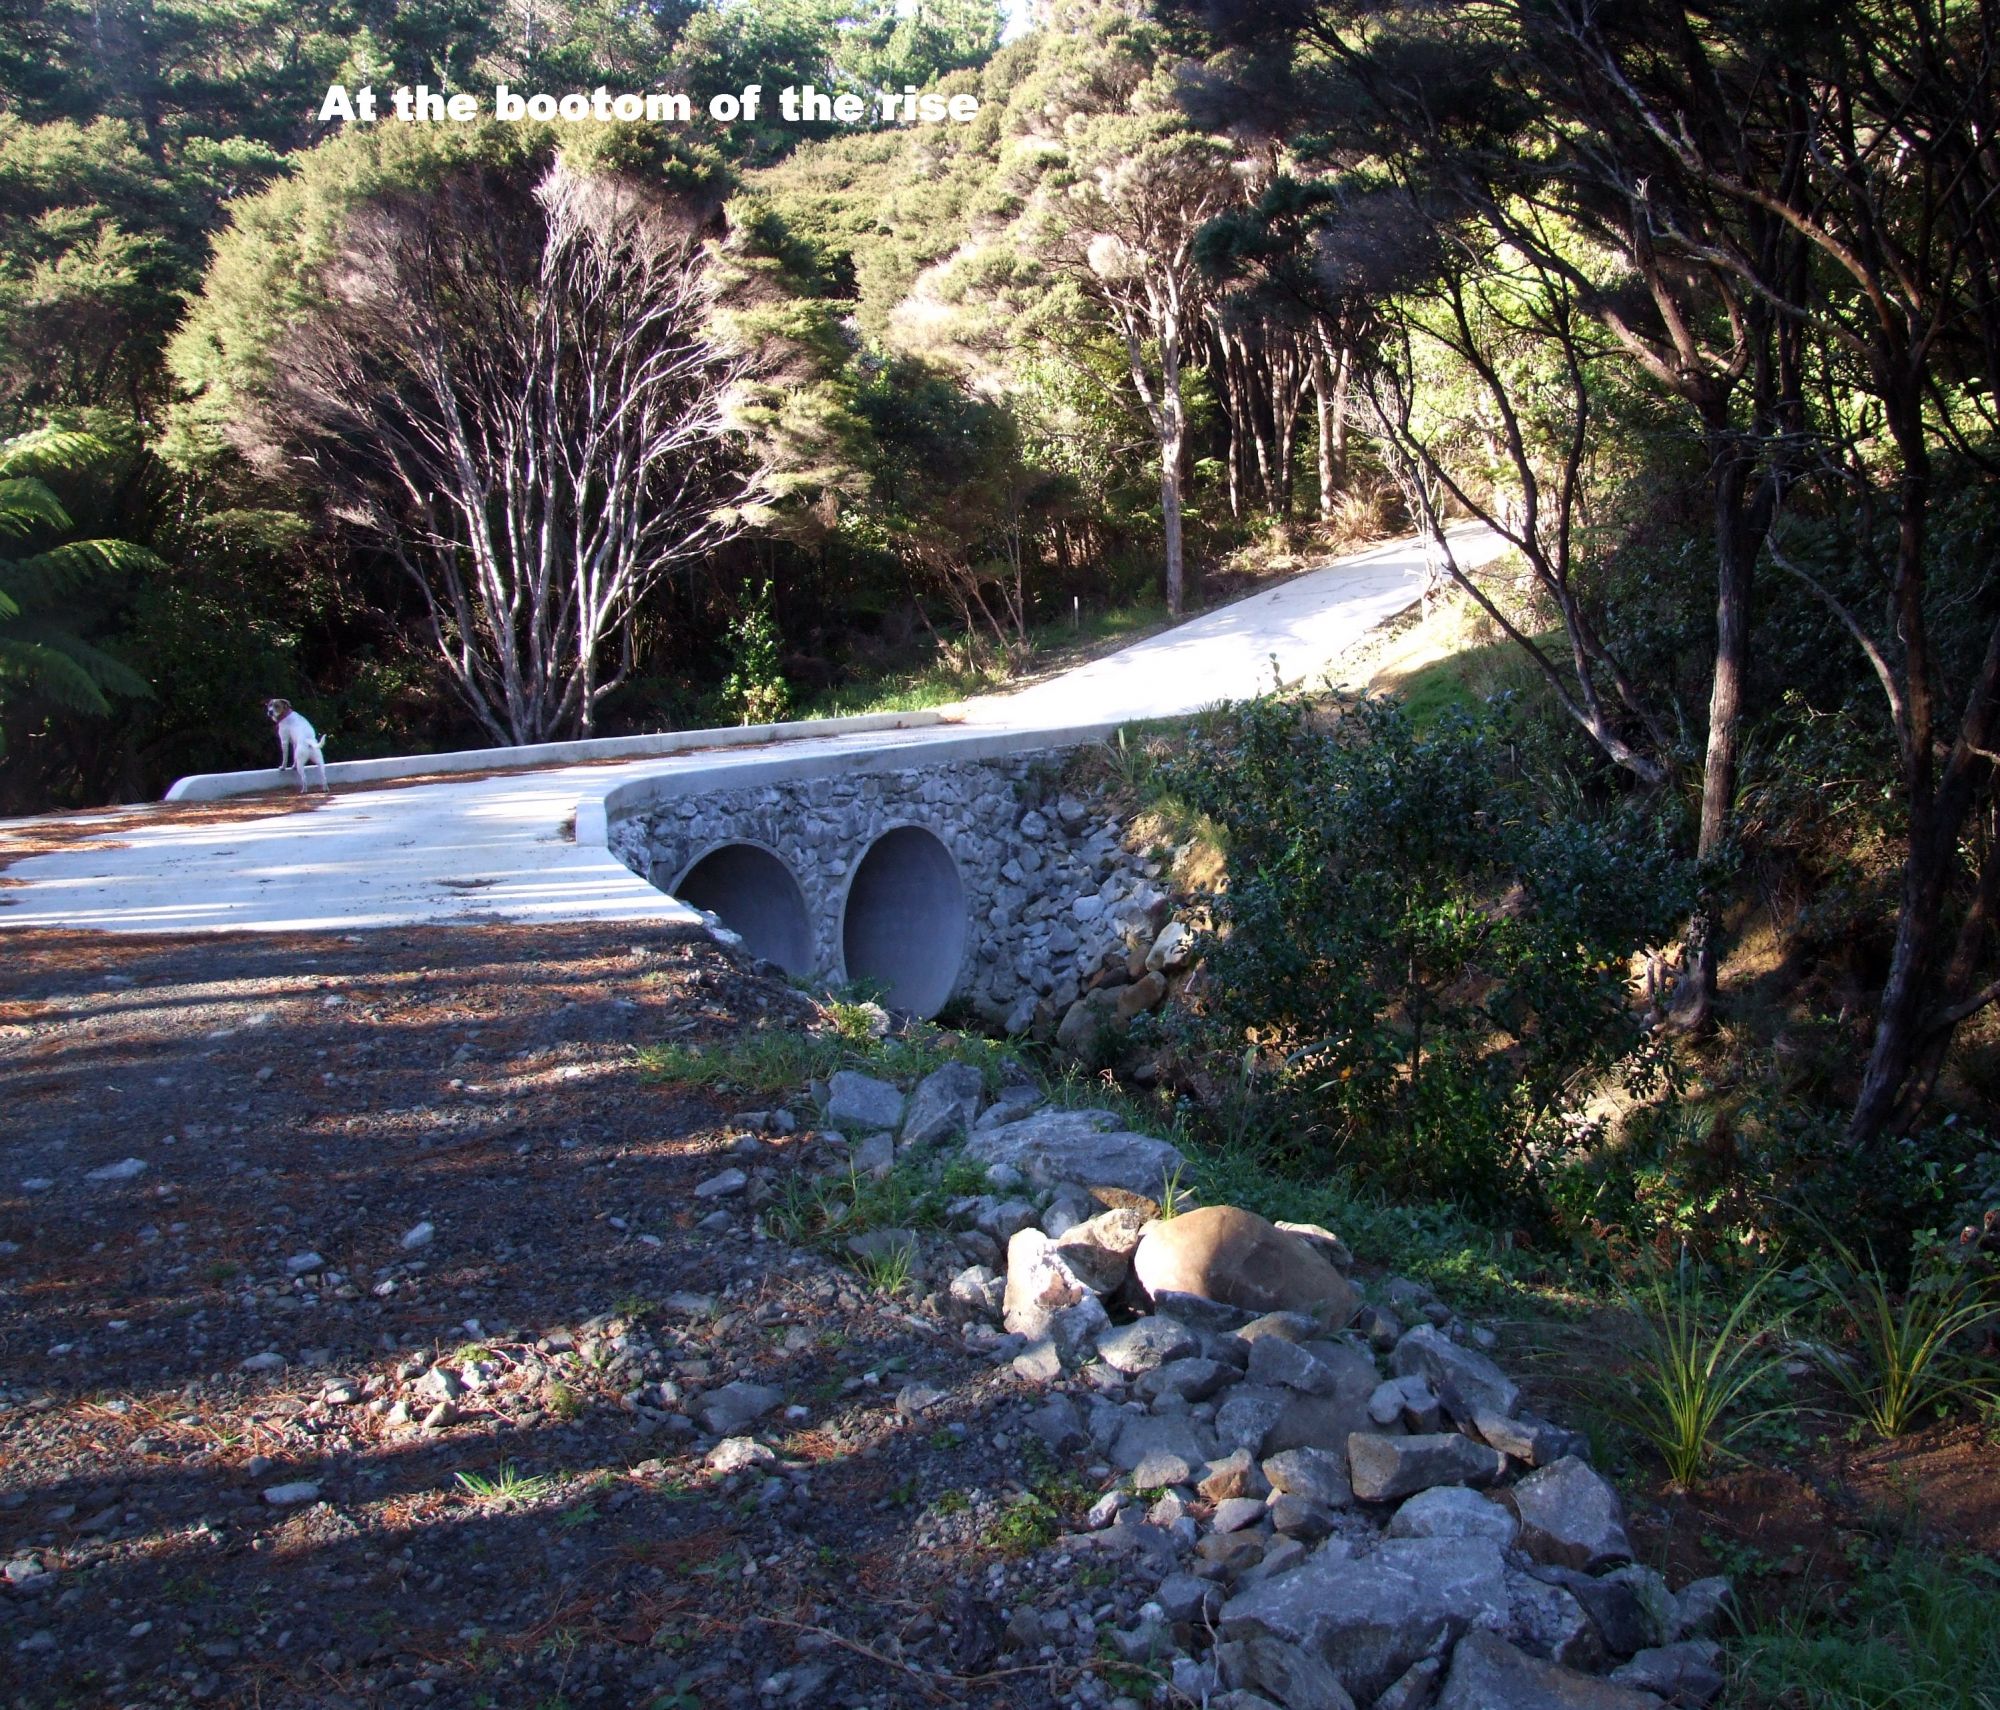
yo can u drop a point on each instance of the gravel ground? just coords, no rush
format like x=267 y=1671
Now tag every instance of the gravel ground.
x=361 y=1336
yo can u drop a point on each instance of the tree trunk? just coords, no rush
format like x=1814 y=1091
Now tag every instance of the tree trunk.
x=1737 y=543
x=1172 y=440
x=1323 y=410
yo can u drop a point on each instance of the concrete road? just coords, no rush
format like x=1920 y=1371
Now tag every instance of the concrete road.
x=499 y=846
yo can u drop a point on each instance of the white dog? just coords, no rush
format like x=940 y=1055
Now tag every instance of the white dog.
x=298 y=742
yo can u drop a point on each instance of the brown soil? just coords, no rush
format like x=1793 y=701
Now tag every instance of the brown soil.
x=1793 y=1518
x=295 y=1095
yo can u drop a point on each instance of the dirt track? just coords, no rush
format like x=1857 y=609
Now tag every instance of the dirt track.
x=294 y=1096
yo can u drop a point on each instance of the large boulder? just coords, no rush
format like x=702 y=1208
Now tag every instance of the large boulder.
x=1487 y=1673
x=1571 y=1517
x=945 y=1103
x=1226 y=1254
x=1081 y=1147
x=1370 y=1618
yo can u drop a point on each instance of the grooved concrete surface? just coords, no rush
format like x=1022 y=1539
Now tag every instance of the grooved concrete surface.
x=499 y=847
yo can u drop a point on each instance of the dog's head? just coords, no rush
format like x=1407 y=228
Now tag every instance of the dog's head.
x=275 y=709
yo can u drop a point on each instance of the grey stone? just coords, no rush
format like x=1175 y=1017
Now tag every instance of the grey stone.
x=1234 y=1474
x=1526 y=1438
x=945 y=1103
x=1273 y=1361
x=1285 y=1326
x=291 y=1495
x=1700 y=1606
x=1300 y=1517
x=304 y=1264
x=270 y=1360
x=418 y=1235
x=1571 y=1516
x=1487 y=1673
x=1631 y=1606
x=858 y=1101
x=981 y=1288
x=1549 y=1622
x=1058 y=1424
x=1146 y=1343
x=1186 y=1598
x=1684 y=1674
x=1234 y=1513
x=725 y=1412
x=1326 y=1421
x=1247 y=1417
x=1319 y=1475
x=1210 y=1317
x=127 y=1169
x=1371 y=1617
x=876 y=1245
x=1385 y=1468
x=1039 y=1362
x=1414 y=1688
x=1084 y=1147
x=1289 y=1673
x=1004 y=1218
x=738 y=1454
x=1466 y=1381
x=1185 y=1380
x=1141 y=1433
x=721 y=1185
x=1099 y=1249
x=873 y=1155
x=914 y=1400
x=1162 y=1469
x=1452 y=1511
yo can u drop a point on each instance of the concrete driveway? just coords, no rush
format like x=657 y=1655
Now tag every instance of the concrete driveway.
x=500 y=846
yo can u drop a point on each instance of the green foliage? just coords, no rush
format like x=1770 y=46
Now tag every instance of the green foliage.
x=1421 y=955
x=44 y=588
x=507 y=1488
x=1909 y=1358
x=1918 y=1629
x=1695 y=1364
x=755 y=690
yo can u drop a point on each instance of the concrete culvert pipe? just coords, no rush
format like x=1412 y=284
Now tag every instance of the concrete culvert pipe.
x=903 y=924
x=754 y=894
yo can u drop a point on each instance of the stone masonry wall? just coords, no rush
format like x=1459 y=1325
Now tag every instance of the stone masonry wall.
x=1052 y=895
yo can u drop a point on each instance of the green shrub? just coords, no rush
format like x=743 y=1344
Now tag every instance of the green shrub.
x=1427 y=958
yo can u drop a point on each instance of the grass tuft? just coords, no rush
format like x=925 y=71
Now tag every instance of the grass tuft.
x=1908 y=1364
x=1694 y=1365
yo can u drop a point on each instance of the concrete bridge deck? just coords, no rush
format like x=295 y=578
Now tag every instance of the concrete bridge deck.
x=499 y=845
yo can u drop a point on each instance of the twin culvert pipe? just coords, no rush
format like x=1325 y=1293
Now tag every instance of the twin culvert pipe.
x=902 y=918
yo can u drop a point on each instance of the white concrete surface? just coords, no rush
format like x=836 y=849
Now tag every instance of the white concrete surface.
x=218 y=786
x=500 y=847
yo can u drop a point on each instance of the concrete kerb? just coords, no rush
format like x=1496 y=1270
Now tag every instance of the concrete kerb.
x=216 y=786
x=594 y=814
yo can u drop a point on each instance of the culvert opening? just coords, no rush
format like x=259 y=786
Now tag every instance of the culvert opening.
x=754 y=894
x=903 y=925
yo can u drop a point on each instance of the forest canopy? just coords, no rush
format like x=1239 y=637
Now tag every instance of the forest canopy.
x=513 y=430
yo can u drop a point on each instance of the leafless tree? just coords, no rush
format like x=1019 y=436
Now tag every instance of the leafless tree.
x=520 y=391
